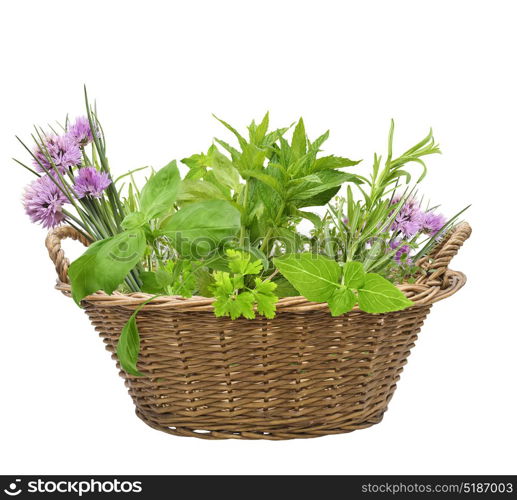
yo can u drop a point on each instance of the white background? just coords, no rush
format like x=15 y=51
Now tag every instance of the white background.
x=158 y=71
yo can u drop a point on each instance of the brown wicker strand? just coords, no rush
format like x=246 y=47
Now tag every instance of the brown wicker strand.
x=53 y=244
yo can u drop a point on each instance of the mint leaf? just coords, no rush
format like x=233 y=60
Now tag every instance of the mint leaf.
x=314 y=276
x=299 y=141
x=160 y=191
x=105 y=264
x=353 y=273
x=342 y=301
x=332 y=162
x=378 y=295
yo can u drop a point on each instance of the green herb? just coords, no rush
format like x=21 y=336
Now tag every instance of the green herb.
x=321 y=279
x=106 y=263
x=314 y=276
x=234 y=298
x=196 y=229
x=128 y=346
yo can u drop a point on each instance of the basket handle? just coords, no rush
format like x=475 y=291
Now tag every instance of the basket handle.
x=439 y=259
x=56 y=253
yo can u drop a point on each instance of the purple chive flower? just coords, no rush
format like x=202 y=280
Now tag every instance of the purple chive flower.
x=81 y=131
x=90 y=181
x=432 y=222
x=409 y=219
x=403 y=251
x=43 y=202
x=63 y=151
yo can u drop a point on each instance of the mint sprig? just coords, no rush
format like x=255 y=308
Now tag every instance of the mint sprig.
x=321 y=279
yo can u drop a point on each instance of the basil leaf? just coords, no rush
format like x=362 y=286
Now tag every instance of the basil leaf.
x=151 y=282
x=314 y=276
x=284 y=288
x=354 y=274
x=342 y=301
x=160 y=192
x=378 y=295
x=106 y=263
x=134 y=220
x=128 y=346
x=198 y=228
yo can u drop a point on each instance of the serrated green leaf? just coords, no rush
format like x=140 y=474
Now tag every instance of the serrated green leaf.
x=269 y=180
x=299 y=141
x=235 y=306
x=332 y=162
x=241 y=263
x=314 y=276
x=342 y=301
x=265 y=297
x=319 y=193
x=223 y=284
x=265 y=286
x=353 y=273
x=378 y=295
x=242 y=141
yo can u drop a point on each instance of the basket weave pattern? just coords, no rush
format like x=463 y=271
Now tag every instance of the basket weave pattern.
x=302 y=374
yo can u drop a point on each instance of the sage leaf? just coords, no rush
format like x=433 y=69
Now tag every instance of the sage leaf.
x=105 y=263
x=198 y=228
x=160 y=191
x=353 y=273
x=342 y=301
x=378 y=295
x=314 y=276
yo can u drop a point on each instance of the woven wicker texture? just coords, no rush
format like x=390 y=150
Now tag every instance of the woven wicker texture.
x=303 y=374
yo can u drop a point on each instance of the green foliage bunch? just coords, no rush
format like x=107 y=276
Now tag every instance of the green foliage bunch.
x=229 y=229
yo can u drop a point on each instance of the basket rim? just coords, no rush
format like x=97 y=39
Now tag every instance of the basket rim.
x=422 y=294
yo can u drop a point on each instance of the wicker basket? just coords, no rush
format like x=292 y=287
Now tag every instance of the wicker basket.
x=302 y=374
